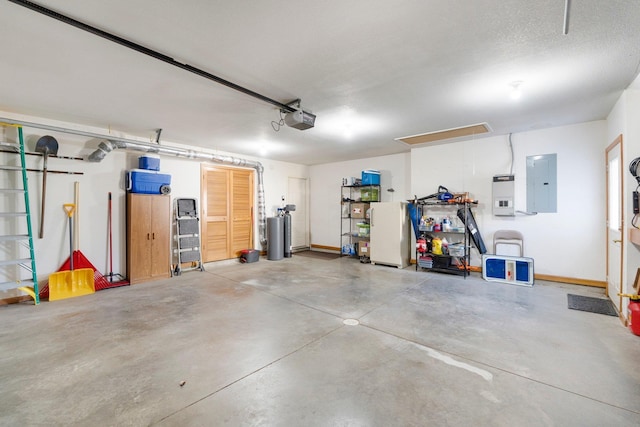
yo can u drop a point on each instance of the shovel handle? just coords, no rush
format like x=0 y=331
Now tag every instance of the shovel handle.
x=69 y=209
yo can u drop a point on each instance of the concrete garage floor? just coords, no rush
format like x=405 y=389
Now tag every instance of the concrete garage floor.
x=265 y=344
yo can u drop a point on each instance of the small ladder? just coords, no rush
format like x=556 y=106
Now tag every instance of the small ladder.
x=16 y=242
x=187 y=235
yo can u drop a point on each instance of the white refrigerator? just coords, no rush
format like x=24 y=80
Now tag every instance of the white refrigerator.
x=390 y=234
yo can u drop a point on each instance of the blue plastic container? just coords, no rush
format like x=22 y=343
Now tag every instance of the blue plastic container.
x=149 y=163
x=370 y=177
x=148 y=182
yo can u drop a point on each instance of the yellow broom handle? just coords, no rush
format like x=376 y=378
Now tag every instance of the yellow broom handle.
x=69 y=208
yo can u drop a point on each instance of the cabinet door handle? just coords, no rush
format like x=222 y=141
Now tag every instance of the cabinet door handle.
x=148 y=236
x=153 y=236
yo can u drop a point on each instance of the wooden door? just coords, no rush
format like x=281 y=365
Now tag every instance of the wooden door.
x=160 y=208
x=227 y=212
x=241 y=211
x=297 y=195
x=139 y=236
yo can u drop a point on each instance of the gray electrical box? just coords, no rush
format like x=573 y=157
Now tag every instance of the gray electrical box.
x=542 y=183
x=503 y=192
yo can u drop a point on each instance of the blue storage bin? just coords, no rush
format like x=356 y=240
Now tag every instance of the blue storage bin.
x=149 y=163
x=148 y=182
x=370 y=177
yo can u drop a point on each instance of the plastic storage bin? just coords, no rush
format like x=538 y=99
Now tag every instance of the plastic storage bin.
x=363 y=229
x=370 y=177
x=148 y=182
x=369 y=195
x=249 y=255
x=425 y=262
x=456 y=249
x=149 y=163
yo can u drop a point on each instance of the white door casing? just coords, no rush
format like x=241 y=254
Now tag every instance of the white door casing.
x=615 y=222
x=297 y=195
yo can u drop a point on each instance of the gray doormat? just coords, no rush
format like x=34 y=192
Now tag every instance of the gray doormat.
x=591 y=304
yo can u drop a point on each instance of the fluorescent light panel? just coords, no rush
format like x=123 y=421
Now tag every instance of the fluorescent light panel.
x=440 y=135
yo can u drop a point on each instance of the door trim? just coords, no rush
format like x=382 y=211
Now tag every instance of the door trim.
x=614 y=144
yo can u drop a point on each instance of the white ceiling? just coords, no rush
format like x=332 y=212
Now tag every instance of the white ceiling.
x=381 y=69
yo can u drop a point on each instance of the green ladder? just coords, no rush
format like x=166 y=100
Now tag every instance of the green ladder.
x=15 y=243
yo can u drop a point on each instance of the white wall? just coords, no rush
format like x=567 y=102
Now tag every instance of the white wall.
x=326 y=180
x=566 y=244
x=98 y=180
x=569 y=243
x=622 y=120
x=631 y=151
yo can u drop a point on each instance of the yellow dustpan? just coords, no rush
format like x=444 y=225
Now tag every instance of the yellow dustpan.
x=73 y=283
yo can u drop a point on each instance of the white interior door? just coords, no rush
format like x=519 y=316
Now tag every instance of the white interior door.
x=300 y=218
x=615 y=224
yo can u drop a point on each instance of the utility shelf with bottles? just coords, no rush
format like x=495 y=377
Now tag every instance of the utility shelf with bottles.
x=444 y=244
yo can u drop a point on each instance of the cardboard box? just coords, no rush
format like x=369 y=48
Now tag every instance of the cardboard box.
x=359 y=210
x=364 y=249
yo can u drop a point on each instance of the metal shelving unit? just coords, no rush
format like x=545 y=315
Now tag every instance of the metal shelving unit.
x=452 y=263
x=350 y=234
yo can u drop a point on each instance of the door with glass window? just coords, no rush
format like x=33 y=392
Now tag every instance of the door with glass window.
x=297 y=195
x=615 y=222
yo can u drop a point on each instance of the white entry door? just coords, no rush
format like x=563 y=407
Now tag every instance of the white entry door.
x=615 y=223
x=300 y=218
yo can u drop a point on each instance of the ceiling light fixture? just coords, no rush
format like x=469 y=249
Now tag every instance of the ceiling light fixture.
x=516 y=89
x=348 y=131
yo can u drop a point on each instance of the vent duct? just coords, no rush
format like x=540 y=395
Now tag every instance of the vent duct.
x=441 y=135
x=114 y=143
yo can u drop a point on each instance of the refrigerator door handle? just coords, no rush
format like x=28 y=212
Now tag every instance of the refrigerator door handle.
x=371 y=217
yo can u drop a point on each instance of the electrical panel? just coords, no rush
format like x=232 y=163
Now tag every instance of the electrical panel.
x=503 y=193
x=542 y=191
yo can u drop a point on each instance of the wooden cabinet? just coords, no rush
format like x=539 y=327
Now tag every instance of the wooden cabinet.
x=148 y=237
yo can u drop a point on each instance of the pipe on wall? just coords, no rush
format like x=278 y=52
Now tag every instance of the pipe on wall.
x=106 y=147
x=113 y=143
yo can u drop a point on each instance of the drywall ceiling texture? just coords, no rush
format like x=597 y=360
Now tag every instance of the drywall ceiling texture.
x=372 y=70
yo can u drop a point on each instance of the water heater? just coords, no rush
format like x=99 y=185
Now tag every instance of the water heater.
x=503 y=193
